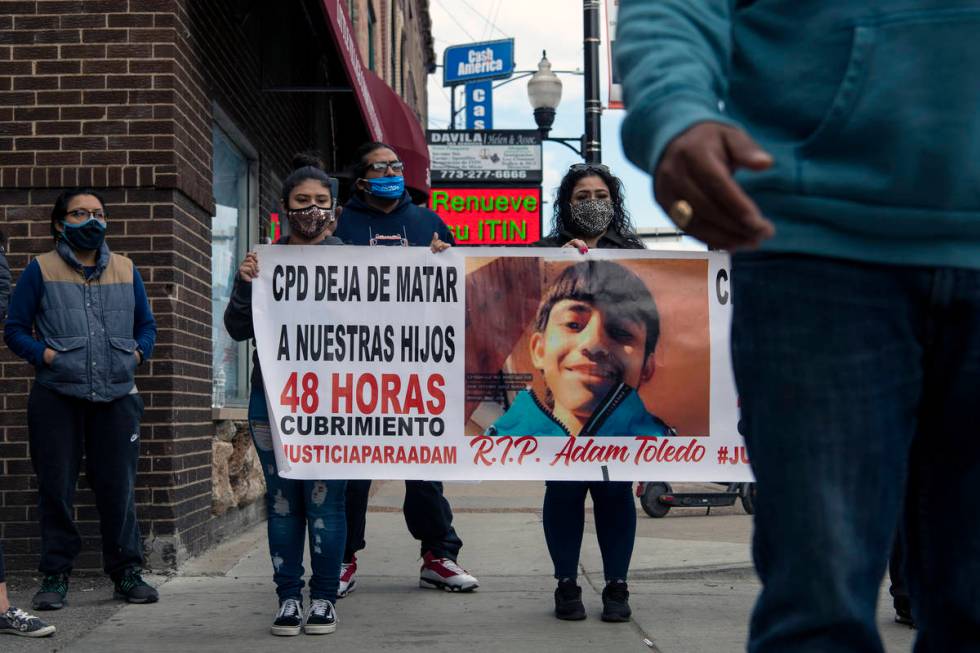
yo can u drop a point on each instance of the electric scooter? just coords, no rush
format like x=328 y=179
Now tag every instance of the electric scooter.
x=657 y=497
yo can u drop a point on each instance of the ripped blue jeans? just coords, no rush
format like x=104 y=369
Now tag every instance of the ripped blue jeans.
x=296 y=508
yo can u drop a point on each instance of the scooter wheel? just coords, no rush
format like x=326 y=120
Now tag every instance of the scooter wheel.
x=650 y=499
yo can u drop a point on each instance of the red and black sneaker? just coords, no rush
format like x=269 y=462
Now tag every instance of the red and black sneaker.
x=348 y=578
x=445 y=574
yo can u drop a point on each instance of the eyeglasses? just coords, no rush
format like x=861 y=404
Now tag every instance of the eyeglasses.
x=578 y=167
x=98 y=214
x=381 y=166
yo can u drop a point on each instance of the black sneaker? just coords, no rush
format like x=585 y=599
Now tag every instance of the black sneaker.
x=568 y=601
x=51 y=596
x=289 y=619
x=18 y=622
x=616 y=602
x=132 y=588
x=321 y=619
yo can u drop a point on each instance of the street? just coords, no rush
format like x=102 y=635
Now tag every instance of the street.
x=691 y=584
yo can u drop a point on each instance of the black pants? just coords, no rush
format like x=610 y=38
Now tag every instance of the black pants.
x=563 y=517
x=61 y=428
x=899 y=588
x=3 y=576
x=427 y=514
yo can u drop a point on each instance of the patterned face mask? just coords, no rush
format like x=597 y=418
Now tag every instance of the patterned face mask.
x=311 y=221
x=591 y=217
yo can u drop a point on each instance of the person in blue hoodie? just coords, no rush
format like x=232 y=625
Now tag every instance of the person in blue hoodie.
x=593 y=342
x=381 y=213
x=834 y=145
x=80 y=316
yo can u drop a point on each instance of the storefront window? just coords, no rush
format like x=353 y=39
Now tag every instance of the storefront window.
x=230 y=228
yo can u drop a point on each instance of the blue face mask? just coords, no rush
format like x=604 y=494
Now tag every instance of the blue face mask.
x=85 y=236
x=389 y=188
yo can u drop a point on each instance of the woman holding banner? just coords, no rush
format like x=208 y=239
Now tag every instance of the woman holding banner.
x=589 y=212
x=295 y=506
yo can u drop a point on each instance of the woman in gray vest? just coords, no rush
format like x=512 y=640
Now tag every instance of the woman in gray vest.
x=93 y=326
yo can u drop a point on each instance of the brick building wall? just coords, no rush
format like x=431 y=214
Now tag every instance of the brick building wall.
x=121 y=95
x=406 y=60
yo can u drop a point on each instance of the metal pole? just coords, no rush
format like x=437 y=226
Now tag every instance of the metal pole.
x=592 y=143
x=452 y=108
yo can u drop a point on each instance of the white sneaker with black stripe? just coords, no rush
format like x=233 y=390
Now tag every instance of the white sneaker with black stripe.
x=321 y=619
x=289 y=619
x=445 y=574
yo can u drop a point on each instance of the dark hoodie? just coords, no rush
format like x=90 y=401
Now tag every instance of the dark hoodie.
x=407 y=224
x=238 y=313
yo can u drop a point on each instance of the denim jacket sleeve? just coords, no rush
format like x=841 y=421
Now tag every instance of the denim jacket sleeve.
x=673 y=57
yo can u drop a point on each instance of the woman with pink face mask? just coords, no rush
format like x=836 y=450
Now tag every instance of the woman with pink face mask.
x=295 y=507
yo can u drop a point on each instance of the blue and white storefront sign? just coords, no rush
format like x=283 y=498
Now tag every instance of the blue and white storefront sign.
x=477 y=61
x=479 y=105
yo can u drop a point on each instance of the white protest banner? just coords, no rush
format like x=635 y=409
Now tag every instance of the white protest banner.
x=484 y=363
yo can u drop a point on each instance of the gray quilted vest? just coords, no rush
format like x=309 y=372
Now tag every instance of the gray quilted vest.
x=89 y=323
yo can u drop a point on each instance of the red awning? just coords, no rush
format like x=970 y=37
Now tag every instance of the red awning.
x=386 y=115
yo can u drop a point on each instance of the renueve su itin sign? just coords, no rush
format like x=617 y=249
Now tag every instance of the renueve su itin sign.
x=490 y=363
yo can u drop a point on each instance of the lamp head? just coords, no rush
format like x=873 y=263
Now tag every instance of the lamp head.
x=544 y=87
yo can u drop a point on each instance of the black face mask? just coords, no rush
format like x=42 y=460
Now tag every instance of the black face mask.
x=86 y=236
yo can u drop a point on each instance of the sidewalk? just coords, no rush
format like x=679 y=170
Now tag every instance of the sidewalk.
x=691 y=586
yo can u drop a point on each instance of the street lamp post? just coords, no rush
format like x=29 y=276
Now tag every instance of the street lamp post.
x=544 y=93
x=592 y=142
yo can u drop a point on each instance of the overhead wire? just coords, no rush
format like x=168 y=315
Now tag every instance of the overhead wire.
x=458 y=24
x=481 y=15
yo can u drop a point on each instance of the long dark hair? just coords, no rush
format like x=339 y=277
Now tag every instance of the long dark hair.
x=621 y=223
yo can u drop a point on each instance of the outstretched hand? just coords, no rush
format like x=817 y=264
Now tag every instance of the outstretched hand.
x=697 y=168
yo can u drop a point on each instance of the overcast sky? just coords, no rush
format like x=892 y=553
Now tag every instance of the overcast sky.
x=536 y=25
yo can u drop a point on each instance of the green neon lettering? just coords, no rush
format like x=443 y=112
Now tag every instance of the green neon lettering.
x=440 y=197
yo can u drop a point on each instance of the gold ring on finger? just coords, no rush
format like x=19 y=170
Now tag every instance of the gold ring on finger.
x=681 y=213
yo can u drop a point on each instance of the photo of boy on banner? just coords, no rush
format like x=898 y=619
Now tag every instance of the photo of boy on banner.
x=590 y=345
x=593 y=342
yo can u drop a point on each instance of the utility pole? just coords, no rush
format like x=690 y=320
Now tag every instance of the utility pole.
x=592 y=142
